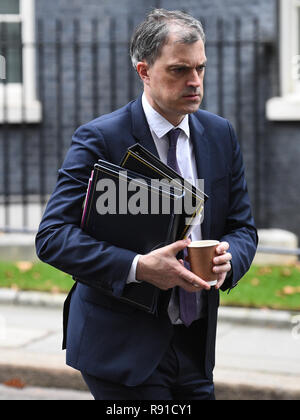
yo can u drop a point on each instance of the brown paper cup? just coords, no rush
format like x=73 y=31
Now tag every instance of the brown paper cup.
x=201 y=254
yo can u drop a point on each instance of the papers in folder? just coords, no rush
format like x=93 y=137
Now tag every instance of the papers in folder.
x=141 y=160
x=136 y=207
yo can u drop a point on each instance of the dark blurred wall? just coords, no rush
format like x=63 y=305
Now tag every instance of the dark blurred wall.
x=80 y=79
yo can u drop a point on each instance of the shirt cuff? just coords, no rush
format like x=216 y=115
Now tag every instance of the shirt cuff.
x=132 y=273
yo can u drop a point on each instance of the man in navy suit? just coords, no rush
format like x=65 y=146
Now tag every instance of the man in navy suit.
x=124 y=352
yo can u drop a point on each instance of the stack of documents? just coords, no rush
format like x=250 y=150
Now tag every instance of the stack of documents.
x=139 y=206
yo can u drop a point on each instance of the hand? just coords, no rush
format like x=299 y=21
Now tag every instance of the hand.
x=163 y=270
x=222 y=264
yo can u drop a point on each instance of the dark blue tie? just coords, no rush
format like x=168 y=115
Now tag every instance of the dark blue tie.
x=187 y=301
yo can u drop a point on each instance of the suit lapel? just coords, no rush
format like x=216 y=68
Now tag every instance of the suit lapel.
x=202 y=156
x=140 y=127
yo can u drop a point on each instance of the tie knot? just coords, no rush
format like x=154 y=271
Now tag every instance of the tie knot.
x=173 y=136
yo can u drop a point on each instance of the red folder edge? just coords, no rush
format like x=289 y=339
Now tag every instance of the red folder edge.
x=86 y=200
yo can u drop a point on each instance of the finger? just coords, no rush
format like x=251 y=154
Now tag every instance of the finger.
x=181 y=262
x=189 y=287
x=222 y=259
x=177 y=246
x=221 y=279
x=224 y=268
x=222 y=247
x=192 y=280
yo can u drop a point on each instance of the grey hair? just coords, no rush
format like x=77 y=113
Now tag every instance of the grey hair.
x=152 y=34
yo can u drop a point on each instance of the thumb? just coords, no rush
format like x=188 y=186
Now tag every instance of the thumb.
x=178 y=246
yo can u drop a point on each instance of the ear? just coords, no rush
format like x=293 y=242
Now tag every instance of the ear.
x=143 y=71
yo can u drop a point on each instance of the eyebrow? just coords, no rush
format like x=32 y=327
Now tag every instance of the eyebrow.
x=183 y=65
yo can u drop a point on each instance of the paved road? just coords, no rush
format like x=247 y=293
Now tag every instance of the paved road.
x=258 y=355
x=34 y=393
x=262 y=356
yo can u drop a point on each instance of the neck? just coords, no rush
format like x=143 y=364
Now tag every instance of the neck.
x=173 y=118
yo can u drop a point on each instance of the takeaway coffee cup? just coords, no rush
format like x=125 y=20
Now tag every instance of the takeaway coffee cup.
x=201 y=254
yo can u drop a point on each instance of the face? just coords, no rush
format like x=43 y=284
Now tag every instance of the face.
x=174 y=83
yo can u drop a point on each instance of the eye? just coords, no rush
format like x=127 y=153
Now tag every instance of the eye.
x=178 y=70
x=201 y=68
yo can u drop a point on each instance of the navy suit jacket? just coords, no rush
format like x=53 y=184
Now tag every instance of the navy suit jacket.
x=105 y=337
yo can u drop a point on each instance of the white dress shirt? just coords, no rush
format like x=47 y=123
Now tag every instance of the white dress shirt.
x=159 y=127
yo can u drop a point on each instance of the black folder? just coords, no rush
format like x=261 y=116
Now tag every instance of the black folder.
x=141 y=232
x=140 y=160
x=146 y=230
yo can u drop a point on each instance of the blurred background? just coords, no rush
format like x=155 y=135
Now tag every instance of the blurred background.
x=64 y=63
x=68 y=62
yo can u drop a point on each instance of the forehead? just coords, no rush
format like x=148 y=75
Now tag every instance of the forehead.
x=177 y=51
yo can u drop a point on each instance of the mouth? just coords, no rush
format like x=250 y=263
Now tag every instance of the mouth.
x=192 y=97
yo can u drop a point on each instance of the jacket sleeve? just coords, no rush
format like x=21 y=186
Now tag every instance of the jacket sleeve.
x=60 y=241
x=240 y=231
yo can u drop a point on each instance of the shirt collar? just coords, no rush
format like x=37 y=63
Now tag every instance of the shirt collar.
x=159 y=124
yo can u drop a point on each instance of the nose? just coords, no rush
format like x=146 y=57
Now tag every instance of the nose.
x=194 y=79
